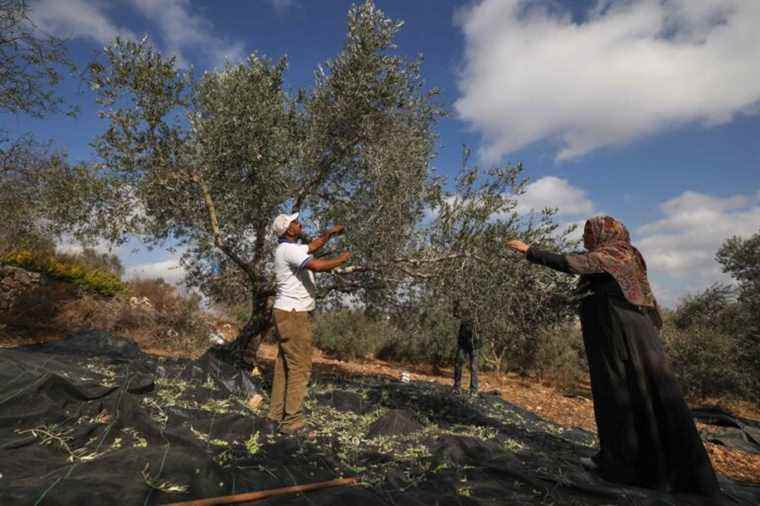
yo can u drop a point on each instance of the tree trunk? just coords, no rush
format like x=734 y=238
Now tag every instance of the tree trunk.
x=246 y=345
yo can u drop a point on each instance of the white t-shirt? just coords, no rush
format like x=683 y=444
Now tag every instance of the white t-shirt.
x=295 y=283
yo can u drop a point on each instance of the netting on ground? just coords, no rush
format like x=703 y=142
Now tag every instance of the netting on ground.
x=92 y=420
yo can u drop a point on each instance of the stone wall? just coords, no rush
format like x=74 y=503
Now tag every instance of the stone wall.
x=15 y=281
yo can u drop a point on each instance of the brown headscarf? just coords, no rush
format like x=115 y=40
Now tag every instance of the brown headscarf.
x=609 y=249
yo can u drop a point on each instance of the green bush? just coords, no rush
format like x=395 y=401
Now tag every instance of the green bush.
x=348 y=334
x=712 y=338
x=706 y=361
x=105 y=262
x=426 y=333
x=436 y=349
x=560 y=357
x=715 y=307
x=65 y=268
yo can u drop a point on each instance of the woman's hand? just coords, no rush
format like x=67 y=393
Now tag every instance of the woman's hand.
x=517 y=245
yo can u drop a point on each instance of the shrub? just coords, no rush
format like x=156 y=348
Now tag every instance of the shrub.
x=705 y=361
x=425 y=333
x=65 y=268
x=560 y=357
x=714 y=341
x=92 y=259
x=348 y=334
x=161 y=294
x=35 y=310
x=714 y=307
x=86 y=312
x=171 y=321
x=437 y=350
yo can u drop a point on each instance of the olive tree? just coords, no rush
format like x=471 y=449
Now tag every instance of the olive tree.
x=740 y=258
x=32 y=64
x=461 y=258
x=209 y=160
x=41 y=195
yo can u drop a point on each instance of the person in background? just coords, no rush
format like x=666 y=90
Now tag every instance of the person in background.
x=294 y=266
x=646 y=430
x=468 y=345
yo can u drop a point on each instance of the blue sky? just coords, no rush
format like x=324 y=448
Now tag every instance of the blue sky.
x=645 y=110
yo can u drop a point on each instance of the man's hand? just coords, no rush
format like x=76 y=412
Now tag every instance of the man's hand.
x=336 y=230
x=320 y=241
x=328 y=264
x=517 y=245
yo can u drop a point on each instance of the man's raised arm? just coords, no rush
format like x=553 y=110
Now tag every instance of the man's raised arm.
x=316 y=244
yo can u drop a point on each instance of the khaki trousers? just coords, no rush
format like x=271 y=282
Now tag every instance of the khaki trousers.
x=292 y=367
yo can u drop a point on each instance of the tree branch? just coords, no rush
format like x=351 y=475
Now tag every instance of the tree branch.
x=324 y=170
x=215 y=230
x=399 y=264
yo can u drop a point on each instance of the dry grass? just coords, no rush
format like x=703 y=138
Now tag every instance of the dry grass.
x=153 y=312
x=162 y=295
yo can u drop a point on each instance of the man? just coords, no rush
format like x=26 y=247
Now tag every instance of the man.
x=294 y=268
x=468 y=343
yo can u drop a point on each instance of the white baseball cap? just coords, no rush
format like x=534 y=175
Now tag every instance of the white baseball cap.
x=282 y=222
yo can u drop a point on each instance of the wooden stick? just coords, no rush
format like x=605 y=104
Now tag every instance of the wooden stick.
x=265 y=494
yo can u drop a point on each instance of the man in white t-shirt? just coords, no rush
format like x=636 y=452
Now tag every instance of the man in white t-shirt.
x=294 y=267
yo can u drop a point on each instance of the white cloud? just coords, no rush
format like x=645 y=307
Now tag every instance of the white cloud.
x=681 y=246
x=170 y=270
x=69 y=245
x=77 y=18
x=574 y=207
x=280 y=6
x=183 y=30
x=554 y=192
x=180 y=30
x=630 y=69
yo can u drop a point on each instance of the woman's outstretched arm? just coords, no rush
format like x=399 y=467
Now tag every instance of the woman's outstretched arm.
x=570 y=264
x=548 y=259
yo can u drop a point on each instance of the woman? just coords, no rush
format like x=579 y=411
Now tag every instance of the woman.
x=646 y=431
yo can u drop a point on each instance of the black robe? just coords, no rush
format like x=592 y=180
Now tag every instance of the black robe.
x=646 y=430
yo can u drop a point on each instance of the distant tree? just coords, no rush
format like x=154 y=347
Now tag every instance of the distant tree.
x=32 y=63
x=714 y=307
x=43 y=197
x=34 y=193
x=102 y=260
x=741 y=259
x=722 y=322
x=41 y=194
x=509 y=301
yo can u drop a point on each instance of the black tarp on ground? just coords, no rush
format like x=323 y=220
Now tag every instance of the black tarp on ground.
x=92 y=420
